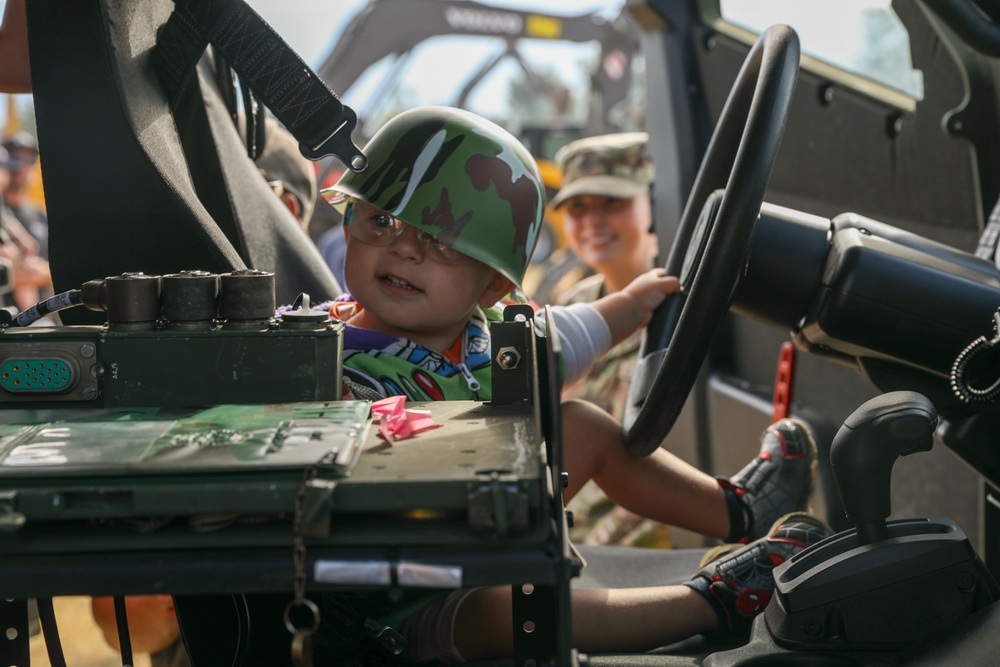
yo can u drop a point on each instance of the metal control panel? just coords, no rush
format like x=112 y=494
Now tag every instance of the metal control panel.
x=187 y=339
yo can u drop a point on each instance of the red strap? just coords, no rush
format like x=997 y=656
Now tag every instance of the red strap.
x=782 y=401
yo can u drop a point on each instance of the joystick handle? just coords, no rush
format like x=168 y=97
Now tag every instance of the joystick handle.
x=865 y=449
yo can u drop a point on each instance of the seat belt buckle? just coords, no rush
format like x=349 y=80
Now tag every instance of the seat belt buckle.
x=340 y=144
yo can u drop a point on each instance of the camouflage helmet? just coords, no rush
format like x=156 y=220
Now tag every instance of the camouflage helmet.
x=459 y=177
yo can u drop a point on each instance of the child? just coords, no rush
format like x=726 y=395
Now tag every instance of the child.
x=440 y=227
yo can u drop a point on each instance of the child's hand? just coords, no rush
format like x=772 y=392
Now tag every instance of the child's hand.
x=649 y=290
x=632 y=308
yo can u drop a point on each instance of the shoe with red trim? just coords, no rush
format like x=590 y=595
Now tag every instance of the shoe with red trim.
x=738 y=580
x=780 y=479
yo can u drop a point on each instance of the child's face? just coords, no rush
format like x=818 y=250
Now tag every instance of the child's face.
x=410 y=286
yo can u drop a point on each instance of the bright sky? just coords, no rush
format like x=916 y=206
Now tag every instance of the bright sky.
x=310 y=26
x=439 y=68
x=838 y=45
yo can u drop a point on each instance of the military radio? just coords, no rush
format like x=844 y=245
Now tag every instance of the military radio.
x=182 y=339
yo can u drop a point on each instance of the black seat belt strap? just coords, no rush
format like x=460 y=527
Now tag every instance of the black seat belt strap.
x=279 y=78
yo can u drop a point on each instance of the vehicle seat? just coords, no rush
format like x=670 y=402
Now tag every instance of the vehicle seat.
x=130 y=184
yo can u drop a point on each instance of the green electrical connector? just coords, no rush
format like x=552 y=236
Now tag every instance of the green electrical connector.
x=35 y=375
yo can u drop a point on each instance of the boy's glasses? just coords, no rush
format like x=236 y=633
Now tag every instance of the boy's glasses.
x=381 y=229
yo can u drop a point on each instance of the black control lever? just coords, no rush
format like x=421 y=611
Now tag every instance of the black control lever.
x=867 y=446
x=884 y=586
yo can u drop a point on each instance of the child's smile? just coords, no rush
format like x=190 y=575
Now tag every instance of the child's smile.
x=405 y=292
x=398 y=283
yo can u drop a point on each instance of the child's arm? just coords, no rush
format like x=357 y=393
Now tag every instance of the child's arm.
x=584 y=337
x=588 y=330
x=632 y=308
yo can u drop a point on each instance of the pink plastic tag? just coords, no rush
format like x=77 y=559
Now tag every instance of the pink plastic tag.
x=395 y=422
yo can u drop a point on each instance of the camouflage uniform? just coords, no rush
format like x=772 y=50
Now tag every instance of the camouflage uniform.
x=616 y=165
x=607 y=383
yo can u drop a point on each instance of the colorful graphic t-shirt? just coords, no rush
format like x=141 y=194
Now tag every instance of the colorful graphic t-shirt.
x=394 y=366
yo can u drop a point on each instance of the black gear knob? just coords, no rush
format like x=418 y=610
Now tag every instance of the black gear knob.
x=867 y=446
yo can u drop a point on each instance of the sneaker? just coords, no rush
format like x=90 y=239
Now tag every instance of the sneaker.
x=738 y=581
x=780 y=479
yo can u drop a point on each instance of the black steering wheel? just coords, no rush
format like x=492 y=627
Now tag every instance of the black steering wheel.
x=710 y=250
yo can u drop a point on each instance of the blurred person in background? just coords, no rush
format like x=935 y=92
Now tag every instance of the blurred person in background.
x=291 y=176
x=332 y=246
x=28 y=278
x=27 y=273
x=23 y=151
x=605 y=200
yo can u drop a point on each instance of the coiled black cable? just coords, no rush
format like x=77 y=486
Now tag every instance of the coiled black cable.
x=959 y=369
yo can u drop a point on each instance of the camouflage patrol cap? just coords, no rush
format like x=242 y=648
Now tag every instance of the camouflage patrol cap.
x=458 y=177
x=613 y=165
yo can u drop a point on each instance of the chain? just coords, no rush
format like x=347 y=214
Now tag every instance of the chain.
x=302 y=637
x=299 y=561
x=299 y=547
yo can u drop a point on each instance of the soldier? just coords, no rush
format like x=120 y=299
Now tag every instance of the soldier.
x=607 y=215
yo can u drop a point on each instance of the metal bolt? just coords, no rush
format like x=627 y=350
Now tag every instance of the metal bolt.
x=508 y=358
x=89 y=393
x=87 y=350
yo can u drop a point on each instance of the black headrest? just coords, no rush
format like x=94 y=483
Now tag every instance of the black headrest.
x=131 y=185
